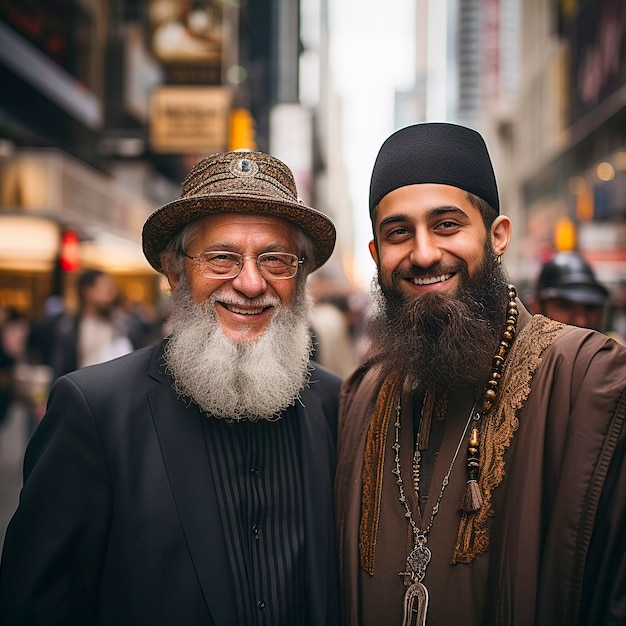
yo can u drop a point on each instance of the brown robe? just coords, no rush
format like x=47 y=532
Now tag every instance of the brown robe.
x=551 y=538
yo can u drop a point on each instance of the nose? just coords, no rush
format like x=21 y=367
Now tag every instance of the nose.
x=425 y=251
x=249 y=281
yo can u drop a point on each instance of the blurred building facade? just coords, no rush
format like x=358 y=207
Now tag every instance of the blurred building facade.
x=105 y=106
x=545 y=82
x=571 y=133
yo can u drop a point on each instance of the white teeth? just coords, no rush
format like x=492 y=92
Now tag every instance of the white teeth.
x=431 y=280
x=234 y=309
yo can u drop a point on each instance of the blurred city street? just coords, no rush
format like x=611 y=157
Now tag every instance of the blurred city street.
x=12 y=444
x=172 y=172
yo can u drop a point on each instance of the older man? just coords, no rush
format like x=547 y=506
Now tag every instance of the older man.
x=481 y=476
x=191 y=482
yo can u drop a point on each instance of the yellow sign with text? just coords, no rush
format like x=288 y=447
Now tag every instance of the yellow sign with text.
x=189 y=119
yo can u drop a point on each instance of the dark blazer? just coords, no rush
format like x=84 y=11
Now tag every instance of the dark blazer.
x=119 y=522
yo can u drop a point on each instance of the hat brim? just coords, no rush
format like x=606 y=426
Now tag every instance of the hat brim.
x=166 y=221
x=580 y=294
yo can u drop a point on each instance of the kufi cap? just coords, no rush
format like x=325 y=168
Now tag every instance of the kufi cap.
x=241 y=181
x=435 y=152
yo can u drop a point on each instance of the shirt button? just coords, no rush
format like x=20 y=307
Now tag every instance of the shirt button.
x=254 y=472
x=256 y=530
x=261 y=605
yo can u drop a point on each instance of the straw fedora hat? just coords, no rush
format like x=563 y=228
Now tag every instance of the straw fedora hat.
x=241 y=182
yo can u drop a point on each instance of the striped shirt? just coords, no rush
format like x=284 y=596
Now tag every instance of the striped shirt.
x=259 y=484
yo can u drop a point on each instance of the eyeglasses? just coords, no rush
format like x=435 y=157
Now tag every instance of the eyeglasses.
x=271 y=265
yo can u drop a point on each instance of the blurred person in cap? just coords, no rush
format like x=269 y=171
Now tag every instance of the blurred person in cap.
x=191 y=482
x=480 y=476
x=568 y=291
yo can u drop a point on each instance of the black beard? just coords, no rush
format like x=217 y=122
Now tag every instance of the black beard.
x=441 y=341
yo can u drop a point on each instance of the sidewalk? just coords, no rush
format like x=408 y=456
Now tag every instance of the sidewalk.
x=12 y=445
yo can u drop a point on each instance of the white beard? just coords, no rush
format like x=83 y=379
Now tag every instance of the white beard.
x=239 y=381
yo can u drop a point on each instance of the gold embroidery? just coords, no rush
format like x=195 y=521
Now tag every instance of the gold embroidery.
x=373 y=466
x=499 y=428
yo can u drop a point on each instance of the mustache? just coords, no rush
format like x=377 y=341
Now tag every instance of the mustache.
x=251 y=381
x=415 y=271
x=433 y=337
x=232 y=299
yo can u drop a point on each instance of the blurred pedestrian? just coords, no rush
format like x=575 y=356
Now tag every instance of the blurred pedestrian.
x=191 y=482
x=334 y=341
x=14 y=328
x=7 y=363
x=33 y=376
x=41 y=338
x=95 y=333
x=568 y=291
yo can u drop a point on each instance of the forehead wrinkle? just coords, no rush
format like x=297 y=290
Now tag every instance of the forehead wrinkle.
x=229 y=246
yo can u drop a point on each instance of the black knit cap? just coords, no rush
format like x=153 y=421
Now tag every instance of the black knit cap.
x=435 y=152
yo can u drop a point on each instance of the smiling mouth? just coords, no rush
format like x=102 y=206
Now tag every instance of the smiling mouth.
x=240 y=311
x=430 y=280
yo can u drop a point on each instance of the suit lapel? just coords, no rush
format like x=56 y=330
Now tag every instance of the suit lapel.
x=317 y=468
x=180 y=432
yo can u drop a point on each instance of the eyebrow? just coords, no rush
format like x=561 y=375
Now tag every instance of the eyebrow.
x=430 y=214
x=227 y=246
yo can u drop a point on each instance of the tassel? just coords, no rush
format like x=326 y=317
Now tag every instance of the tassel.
x=472 y=500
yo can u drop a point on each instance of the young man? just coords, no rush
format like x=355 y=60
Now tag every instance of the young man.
x=480 y=478
x=191 y=482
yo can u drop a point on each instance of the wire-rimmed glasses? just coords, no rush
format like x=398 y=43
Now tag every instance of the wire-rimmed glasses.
x=226 y=265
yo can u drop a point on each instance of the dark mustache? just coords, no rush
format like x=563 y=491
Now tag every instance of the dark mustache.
x=434 y=270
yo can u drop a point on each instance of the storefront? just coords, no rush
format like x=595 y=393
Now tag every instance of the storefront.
x=58 y=217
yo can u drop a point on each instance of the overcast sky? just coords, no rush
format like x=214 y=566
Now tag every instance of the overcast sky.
x=372 y=55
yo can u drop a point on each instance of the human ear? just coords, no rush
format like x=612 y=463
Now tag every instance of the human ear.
x=501 y=234
x=171 y=272
x=373 y=251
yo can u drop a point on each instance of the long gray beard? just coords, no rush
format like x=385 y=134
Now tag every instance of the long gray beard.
x=249 y=380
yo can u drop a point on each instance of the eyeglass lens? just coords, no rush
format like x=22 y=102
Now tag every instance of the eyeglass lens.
x=228 y=264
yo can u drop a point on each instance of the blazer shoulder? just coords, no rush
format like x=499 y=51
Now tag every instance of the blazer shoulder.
x=325 y=386
x=121 y=371
x=324 y=377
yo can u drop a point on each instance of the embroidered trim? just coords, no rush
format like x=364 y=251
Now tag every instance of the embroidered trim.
x=499 y=429
x=373 y=467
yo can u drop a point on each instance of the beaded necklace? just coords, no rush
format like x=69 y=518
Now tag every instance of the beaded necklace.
x=416 y=596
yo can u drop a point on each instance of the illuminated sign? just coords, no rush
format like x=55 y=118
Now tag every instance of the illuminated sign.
x=188 y=119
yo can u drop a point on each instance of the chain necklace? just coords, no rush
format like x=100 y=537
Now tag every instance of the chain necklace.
x=416 y=596
x=419 y=558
